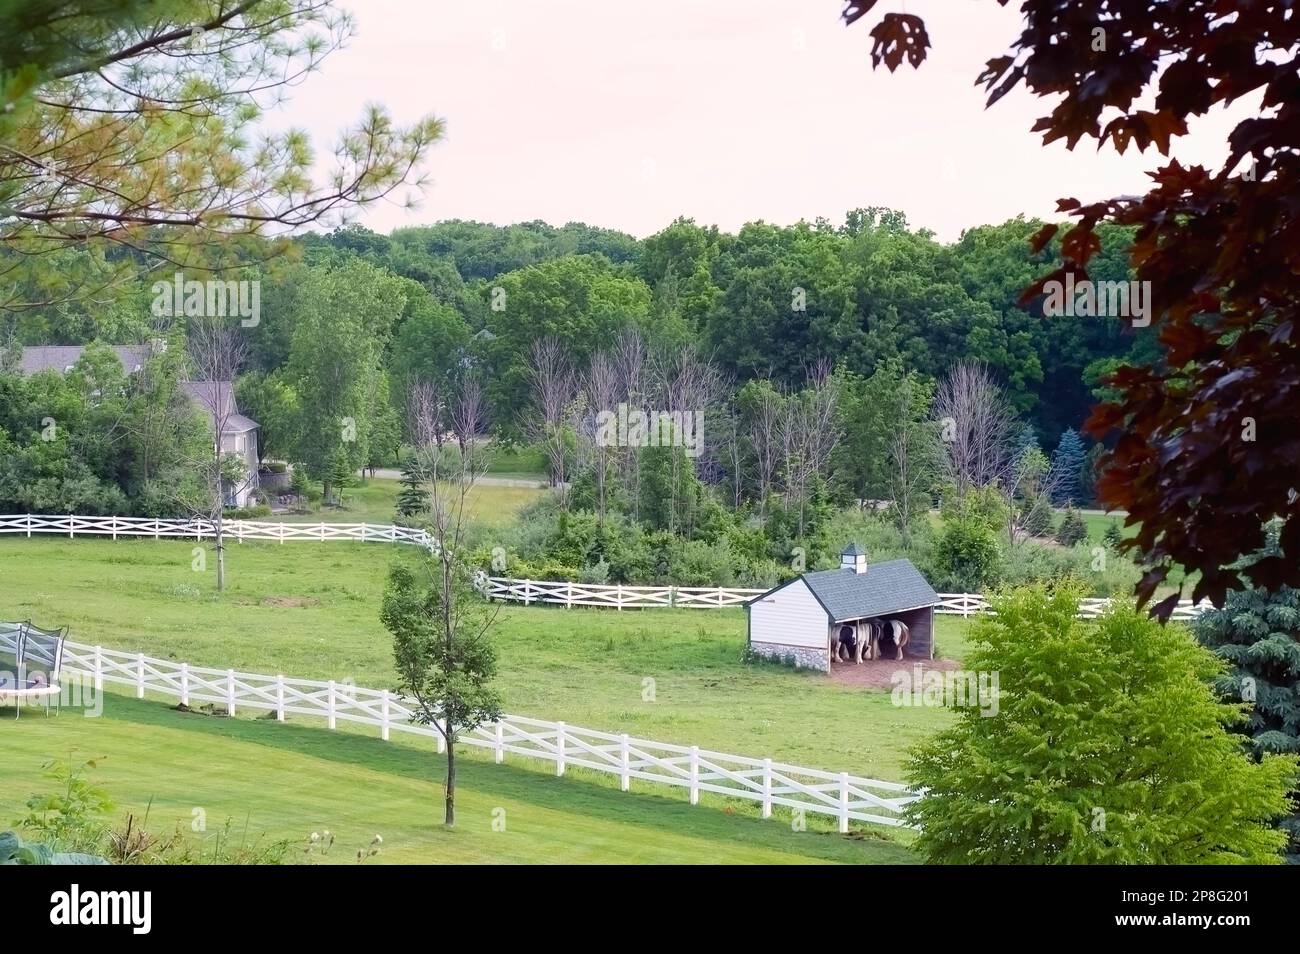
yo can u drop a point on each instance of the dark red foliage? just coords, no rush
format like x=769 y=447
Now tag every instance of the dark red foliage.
x=1206 y=445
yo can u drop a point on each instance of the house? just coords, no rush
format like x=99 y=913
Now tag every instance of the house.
x=216 y=398
x=799 y=618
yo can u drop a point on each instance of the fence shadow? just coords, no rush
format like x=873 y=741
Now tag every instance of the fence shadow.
x=578 y=792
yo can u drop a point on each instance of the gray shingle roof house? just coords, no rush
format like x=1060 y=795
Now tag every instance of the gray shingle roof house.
x=238 y=436
x=798 y=618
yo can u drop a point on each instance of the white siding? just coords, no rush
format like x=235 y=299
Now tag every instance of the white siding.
x=790 y=616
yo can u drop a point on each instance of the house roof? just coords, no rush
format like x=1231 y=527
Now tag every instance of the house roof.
x=218 y=397
x=208 y=395
x=61 y=357
x=889 y=587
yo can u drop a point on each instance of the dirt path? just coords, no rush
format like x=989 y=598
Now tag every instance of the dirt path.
x=876 y=673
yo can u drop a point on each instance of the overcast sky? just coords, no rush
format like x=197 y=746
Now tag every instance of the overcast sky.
x=626 y=115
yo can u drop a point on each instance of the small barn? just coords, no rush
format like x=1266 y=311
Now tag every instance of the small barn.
x=799 y=618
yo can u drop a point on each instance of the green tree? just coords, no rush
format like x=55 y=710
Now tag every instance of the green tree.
x=299 y=483
x=413 y=498
x=1257 y=632
x=1067 y=467
x=341 y=328
x=1072 y=529
x=138 y=123
x=1106 y=747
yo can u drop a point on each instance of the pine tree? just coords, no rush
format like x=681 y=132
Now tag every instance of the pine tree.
x=1026 y=441
x=340 y=475
x=1067 y=466
x=1258 y=633
x=412 y=498
x=1038 y=518
x=1113 y=536
x=298 y=483
x=1072 y=529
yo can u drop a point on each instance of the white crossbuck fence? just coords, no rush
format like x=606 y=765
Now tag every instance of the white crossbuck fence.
x=558 y=593
x=839 y=794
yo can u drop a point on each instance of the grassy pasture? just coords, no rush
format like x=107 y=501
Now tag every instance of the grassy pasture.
x=310 y=609
x=282 y=782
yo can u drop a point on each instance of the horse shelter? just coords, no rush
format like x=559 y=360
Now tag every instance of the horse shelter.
x=802 y=618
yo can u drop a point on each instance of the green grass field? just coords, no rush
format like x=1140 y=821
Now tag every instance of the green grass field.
x=373 y=502
x=282 y=782
x=311 y=610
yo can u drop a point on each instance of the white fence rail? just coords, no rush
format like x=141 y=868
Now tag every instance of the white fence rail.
x=846 y=797
x=557 y=593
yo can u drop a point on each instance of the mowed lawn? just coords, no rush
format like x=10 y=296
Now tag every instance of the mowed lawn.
x=282 y=782
x=312 y=610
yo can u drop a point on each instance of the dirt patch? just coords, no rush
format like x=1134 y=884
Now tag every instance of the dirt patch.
x=290 y=601
x=876 y=673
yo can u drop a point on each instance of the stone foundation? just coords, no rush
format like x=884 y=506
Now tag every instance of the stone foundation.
x=802 y=657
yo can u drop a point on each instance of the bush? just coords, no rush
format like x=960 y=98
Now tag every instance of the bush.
x=966 y=556
x=247 y=513
x=1109 y=748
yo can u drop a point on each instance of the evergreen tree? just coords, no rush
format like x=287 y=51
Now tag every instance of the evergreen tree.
x=413 y=498
x=1026 y=441
x=1038 y=518
x=1072 y=529
x=1109 y=748
x=1113 y=536
x=298 y=483
x=1258 y=633
x=340 y=474
x=1067 y=466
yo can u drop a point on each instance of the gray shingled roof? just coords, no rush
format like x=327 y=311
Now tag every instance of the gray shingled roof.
x=889 y=587
x=61 y=357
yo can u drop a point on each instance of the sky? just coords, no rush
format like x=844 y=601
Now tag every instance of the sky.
x=627 y=115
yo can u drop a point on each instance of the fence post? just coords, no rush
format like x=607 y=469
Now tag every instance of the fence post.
x=559 y=749
x=230 y=692
x=99 y=669
x=139 y=675
x=499 y=748
x=844 y=803
x=695 y=774
x=329 y=706
x=527 y=587
x=568 y=595
x=383 y=715
x=625 y=765
x=29 y=528
x=767 y=788
x=185 y=685
x=279 y=695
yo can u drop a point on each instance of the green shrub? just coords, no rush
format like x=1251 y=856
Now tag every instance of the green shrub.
x=1106 y=747
x=966 y=556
